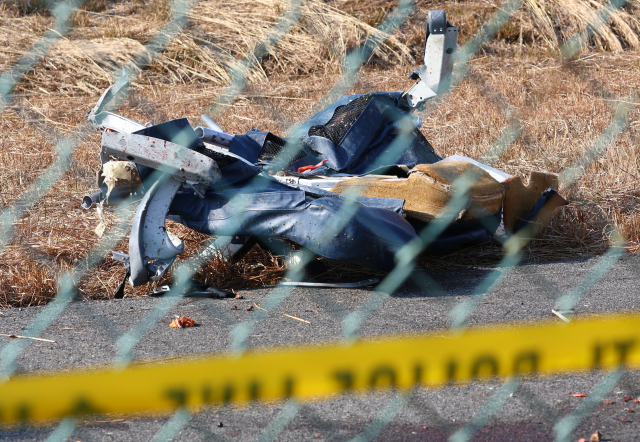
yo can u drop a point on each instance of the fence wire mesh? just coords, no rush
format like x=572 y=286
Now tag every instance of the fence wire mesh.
x=351 y=319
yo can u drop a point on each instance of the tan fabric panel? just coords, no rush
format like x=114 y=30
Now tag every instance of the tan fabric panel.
x=519 y=199
x=428 y=189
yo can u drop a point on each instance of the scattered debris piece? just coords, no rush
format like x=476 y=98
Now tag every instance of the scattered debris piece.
x=114 y=171
x=182 y=322
x=27 y=337
x=235 y=307
x=608 y=402
x=569 y=393
x=220 y=425
x=579 y=395
x=238 y=296
x=102 y=224
x=295 y=317
x=340 y=285
x=257 y=306
x=596 y=437
x=305 y=168
x=249 y=308
x=560 y=315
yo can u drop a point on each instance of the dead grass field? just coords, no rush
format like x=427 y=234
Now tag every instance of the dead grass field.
x=561 y=105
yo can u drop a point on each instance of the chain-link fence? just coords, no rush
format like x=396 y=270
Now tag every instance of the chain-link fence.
x=351 y=319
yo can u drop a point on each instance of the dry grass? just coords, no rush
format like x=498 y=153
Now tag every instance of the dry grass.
x=542 y=24
x=107 y=34
x=561 y=106
x=219 y=35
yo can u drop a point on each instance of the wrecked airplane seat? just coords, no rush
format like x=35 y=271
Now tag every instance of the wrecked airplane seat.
x=354 y=183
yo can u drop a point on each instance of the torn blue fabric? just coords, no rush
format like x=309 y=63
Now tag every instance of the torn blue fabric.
x=364 y=235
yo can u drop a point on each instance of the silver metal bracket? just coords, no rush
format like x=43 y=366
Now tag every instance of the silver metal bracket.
x=120 y=257
x=101 y=119
x=182 y=163
x=436 y=72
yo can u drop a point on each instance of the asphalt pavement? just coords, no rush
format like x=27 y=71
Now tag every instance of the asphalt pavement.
x=86 y=333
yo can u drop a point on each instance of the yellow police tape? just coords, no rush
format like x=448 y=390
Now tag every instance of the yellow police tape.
x=316 y=372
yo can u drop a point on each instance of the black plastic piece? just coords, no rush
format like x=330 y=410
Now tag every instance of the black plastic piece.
x=342 y=120
x=119 y=293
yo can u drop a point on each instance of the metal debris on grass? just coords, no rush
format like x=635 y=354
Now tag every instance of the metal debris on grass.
x=363 y=155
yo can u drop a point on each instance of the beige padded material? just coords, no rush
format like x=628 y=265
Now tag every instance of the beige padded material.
x=519 y=199
x=428 y=189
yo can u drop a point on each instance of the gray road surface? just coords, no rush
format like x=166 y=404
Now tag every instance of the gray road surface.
x=86 y=331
